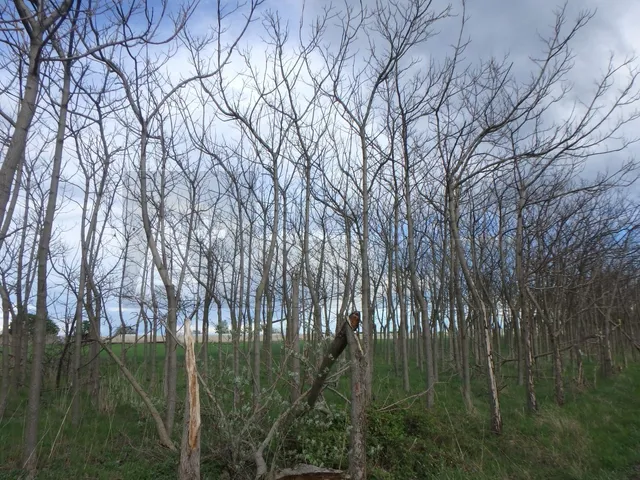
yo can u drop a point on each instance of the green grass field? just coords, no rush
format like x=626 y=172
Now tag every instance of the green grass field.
x=596 y=435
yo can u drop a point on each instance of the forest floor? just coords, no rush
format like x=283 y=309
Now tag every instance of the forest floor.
x=595 y=435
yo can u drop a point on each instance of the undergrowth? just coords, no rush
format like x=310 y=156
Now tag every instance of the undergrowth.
x=595 y=435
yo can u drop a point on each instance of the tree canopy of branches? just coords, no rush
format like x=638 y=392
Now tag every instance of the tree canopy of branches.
x=172 y=165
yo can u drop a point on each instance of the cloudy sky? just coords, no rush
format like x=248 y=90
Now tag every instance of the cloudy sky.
x=512 y=26
x=498 y=28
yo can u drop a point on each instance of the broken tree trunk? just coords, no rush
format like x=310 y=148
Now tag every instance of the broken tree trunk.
x=337 y=347
x=190 y=449
x=307 y=400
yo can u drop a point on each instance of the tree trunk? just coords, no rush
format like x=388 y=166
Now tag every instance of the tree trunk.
x=607 y=365
x=309 y=277
x=16 y=346
x=484 y=326
x=557 y=367
x=464 y=337
x=358 y=437
x=19 y=334
x=33 y=406
x=26 y=112
x=189 y=468
x=268 y=332
x=293 y=327
x=237 y=308
x=580 y=374
x=77 y=351
x=171 y=323
x=219 y=310
x=172 y=359
x=204 y=349
x=365 y=275
x=532 y=404
x=6 y=375
x=94 y=349
x=235 y=346
x=154 y=330
x=264 y=282
x=402 y=302
x=415 y=284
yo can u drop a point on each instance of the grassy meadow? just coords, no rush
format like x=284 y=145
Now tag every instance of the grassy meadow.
x=596 y=435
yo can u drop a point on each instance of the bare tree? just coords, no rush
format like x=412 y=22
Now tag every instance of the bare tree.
x=40 y=24
x=33 y=407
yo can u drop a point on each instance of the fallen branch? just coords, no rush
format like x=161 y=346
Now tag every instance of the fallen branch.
x=309 y=471
x=165 y=439
x=162 y=431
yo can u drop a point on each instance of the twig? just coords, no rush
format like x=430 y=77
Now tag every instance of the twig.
x=413 y=398
x=339 y=394
x=53 y=445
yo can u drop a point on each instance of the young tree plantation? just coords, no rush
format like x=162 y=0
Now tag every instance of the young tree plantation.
x=284 y=240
